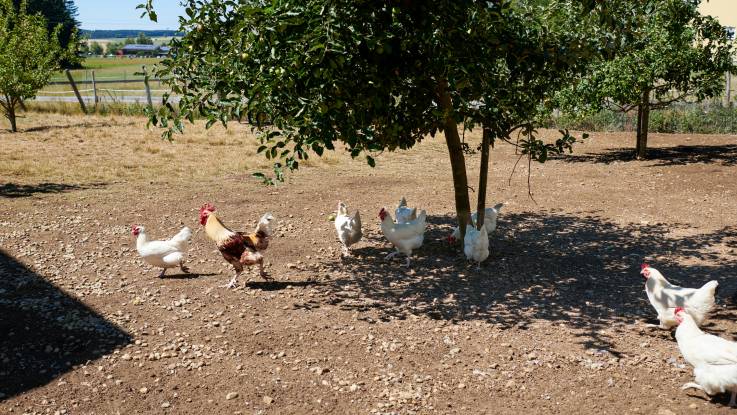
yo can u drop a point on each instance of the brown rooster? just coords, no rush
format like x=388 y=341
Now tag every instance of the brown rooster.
x=238 y=248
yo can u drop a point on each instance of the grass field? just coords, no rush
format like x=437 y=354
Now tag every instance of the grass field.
x=109 y=68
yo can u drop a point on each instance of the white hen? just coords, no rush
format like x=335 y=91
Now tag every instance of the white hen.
x=163 y=254
x=490 y=217
x=665 y=297
x=403 y=213
x=476 y=244
x=404 y=236
x=348 y=227
x=714 y=359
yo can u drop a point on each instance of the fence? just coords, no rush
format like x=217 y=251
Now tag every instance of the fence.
x=92 y=91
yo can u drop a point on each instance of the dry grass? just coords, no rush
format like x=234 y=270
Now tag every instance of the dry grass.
x=88 y=149
x=75 y=149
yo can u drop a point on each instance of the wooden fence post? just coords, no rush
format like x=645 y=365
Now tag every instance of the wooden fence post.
x=148 y=88
x=94 y=89
x=76 y=91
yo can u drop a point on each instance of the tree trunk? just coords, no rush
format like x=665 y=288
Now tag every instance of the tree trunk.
x=639 y=129
x=10 y=113
x=644 y=124
x=483 y=178
x=457 y=160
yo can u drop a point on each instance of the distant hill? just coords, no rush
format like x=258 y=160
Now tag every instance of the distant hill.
x=122 y=34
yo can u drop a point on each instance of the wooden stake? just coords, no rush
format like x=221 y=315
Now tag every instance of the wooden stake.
x=148 y=88
x=94 y=89
x=76 y=91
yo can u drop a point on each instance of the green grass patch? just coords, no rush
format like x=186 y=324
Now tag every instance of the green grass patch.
x=109 y=68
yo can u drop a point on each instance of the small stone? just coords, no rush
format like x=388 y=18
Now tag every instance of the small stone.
x=143 y=390
x=665 y=411
x=354 y=387
x=268 y=400
x=231 y=395
x=165 y=405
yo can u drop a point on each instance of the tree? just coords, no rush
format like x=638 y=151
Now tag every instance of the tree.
x=96 y=48
x=665 y=52
x=142 y=39
x=29 y=55
x=59 y=13
x=113 y=48
x=375 y=76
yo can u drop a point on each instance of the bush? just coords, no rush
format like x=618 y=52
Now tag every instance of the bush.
x=683 y=118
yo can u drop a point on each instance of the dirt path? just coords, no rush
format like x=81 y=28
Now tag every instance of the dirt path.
x=554 y=322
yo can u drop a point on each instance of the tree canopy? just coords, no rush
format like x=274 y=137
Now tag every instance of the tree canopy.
x=62 y=14
x=664 y=51
x=29 y=55
x=378 y=76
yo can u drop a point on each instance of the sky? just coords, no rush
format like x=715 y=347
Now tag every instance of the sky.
x=122 y=14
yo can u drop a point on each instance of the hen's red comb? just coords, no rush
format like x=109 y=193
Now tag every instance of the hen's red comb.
x=645 y=265
x=678 y=310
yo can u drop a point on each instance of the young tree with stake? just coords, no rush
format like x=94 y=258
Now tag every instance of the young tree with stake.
x=29 y=55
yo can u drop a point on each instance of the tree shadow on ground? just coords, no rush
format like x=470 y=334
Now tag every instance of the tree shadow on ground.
x=582 y=271
x=45 y=333
x=724 y=155
x=43 y=128
x=12 y=190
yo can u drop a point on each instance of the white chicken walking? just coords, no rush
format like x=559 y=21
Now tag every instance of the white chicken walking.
x=404 y=236
x=665 y=297
x=348 y=227
x=476 y=244
x=163 y=254
x=403 y=213
x=714 y=359
x=490 y=218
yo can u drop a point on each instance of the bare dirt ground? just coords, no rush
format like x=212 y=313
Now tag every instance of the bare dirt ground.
x=554 y=322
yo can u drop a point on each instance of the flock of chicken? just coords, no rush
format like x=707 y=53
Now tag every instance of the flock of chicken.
x=714 y=359
x=407 y=232
x=240 y=249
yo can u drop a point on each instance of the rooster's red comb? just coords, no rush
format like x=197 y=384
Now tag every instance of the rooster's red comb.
x=645 y=265
x=678 y=310
x=207 y=207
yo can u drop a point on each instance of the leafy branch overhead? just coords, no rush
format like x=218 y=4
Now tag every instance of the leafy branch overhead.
x=376 y=76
